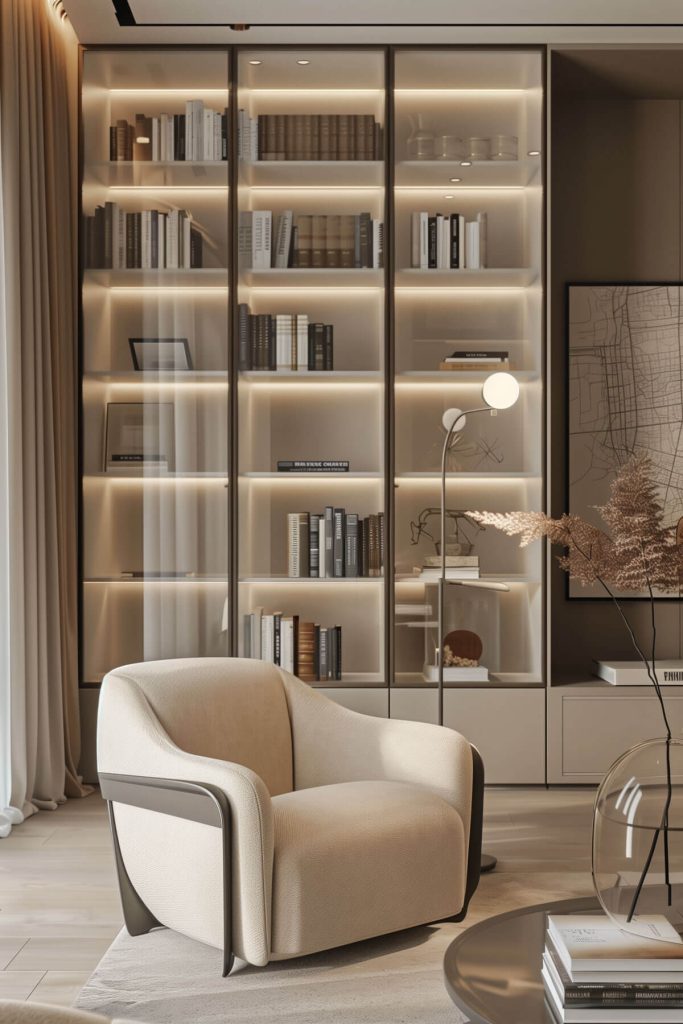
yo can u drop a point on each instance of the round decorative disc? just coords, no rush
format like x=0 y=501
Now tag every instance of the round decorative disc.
x=464 y=644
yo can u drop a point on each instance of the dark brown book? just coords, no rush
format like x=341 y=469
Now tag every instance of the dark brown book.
x=328 y=347
x=315 y=137
x=299 y=141
x=304 y=239
x=324 y=137
x=112 y=142
x=121 y=139
x=280 y=147
x=334 y=137
x=343 y=137
x=319 y=240
x=346 y=240
x=269 y=137
x=366 y=546
x=130 y=141
x=365 y=239
x=307 y=137
x=378 y=153
x=333 y=240
x=306 y=652
x=130 y=240
x=290 y=142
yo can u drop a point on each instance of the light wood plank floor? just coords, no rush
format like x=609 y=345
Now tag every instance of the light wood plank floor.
x=59 y=907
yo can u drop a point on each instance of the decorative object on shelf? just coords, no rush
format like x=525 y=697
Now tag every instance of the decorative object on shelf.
x=462 y=649
x=477 y=148
x=335 y=544
x=160 y=354
x=475 y=360
x=637 y=866
x=139 y=435
x=625 y=346
x=459 y=543
x=420 y=142
x=448 y=147
x=504 y=147
x=448 y=242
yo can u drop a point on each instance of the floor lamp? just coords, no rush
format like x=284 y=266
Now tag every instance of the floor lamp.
x=500 y=391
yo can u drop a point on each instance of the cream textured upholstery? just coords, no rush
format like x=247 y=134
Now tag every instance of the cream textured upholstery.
x=343 y=826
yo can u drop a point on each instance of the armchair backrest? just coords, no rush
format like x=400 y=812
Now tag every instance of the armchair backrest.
x=230 y=709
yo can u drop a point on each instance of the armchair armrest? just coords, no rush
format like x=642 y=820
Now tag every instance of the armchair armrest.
x=141 y=767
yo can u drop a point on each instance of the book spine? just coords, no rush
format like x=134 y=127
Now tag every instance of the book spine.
x=328 y=347
x=431 y=222
x=454 y=251
x=323 y=662
x=314 y=548
x=329 y=542
x=246 y=635
x=339 y=535
x=424 y=241
x=277 y=638
x=338 y=651
x=293 y=556
x=351 y=545
x=243 y=353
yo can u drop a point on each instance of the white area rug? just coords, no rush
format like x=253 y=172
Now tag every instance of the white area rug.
x=163 y=977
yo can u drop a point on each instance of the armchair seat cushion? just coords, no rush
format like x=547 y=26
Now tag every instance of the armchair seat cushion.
x=358 y=859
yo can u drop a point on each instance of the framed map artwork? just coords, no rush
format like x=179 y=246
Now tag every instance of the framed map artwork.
x=625 y=394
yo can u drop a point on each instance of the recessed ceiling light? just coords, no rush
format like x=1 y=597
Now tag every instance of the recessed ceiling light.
x=303 y=62
x=455 y=180
x=255 y=62
x=448 y=197
x=465 y=163
x=534 y=152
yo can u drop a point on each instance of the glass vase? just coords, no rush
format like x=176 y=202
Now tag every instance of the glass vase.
x=638 y=839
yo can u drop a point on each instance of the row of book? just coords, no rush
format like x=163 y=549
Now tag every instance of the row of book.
x=283 y=341
x=310 y=240
x=199 y=134
x=309 y=137
x=306 y=649
x=593 y=971
x=334 y=544
x=148 y=239
x=448 y=242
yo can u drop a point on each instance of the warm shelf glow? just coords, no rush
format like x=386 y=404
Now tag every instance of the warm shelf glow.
x=311 y=478
x=306 y=581
x=189 y=92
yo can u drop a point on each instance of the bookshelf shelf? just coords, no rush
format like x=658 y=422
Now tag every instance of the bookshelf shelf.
x=311 y=477
x=493 y=277
x=319 y=277
x=311 y=377
x=159 y=175
x=146 y=580
x=307 y=581
x=150 y=378
x=201 y=278
x=423 y=175
x=457 y=378
x=144 y=478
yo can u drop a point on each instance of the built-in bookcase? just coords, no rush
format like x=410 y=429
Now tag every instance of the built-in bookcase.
x=181 y=545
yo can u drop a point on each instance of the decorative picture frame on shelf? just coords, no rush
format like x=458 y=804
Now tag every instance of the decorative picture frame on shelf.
x=139 y=436
x=161 y=354
x=624 y=358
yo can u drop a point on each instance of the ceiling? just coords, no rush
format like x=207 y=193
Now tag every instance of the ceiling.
x=376 y=21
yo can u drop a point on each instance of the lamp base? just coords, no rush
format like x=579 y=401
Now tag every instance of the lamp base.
x=488 y=863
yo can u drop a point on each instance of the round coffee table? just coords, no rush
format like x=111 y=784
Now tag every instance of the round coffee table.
x=493 y=969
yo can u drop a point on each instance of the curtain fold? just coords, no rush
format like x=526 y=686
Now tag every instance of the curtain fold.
x=38 y=409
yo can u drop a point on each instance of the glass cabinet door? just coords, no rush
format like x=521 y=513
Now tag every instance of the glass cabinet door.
x=311 y=356
x=155 y=441
x=469 y=302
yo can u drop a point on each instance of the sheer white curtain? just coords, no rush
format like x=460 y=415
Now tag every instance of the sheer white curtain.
x=39 y=729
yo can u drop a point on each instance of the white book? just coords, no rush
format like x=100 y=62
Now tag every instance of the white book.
x=592 y=942
x=161 y=229
x=293 y=539
x=472 y=245
x=301 y=342
x=207 y=135
x=146 y=239
x=283 y=238
x=217 y=136
x=618 y=1015
x=172 y=240
x=261 y=239
x=377 y=244
x=633 y=673
x=455 y=674
x=244 y=238
x=415 y=239
x=440 y=264
x=483 y=222
x=268 y=638
x=256 y=634
x=424 y=241
x=446 y=242
x=287 y=643
x=283 y=341
x=321 y=547
x=462 y=245
x=187 y=238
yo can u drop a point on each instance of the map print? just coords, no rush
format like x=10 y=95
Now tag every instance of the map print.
x=625 y=393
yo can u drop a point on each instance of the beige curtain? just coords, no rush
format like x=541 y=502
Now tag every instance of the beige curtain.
x=38 y=446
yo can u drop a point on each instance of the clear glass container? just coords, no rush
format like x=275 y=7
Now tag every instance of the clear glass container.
x=420 y=142
x=638 y=839
x=504 y=147
x=449 y=147
x=478 y=148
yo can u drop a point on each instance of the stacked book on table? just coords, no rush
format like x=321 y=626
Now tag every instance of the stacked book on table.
x=470 y=360
x=458 y=567
x=593 y=972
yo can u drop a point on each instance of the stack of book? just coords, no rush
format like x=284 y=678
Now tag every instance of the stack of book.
x=198 y=134
x=594 y=972
x=334 y=544
x=476 y=360
x=305 y=240
x=448 y=242
x=309 y=137
x=308 y=650
x=283 y=341
x=150 y=239
x=458 y=567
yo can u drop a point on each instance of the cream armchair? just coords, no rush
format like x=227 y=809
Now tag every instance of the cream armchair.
x=254 y=814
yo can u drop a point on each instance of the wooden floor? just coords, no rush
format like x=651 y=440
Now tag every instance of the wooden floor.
x=59 y=908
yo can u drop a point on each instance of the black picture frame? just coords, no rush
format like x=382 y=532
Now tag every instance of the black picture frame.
x=139 y=347
x=576 y=592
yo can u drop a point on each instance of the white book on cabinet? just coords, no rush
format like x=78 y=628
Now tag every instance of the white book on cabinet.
x=261 y=239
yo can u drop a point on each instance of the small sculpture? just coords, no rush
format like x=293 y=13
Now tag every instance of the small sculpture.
x=459 y=542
